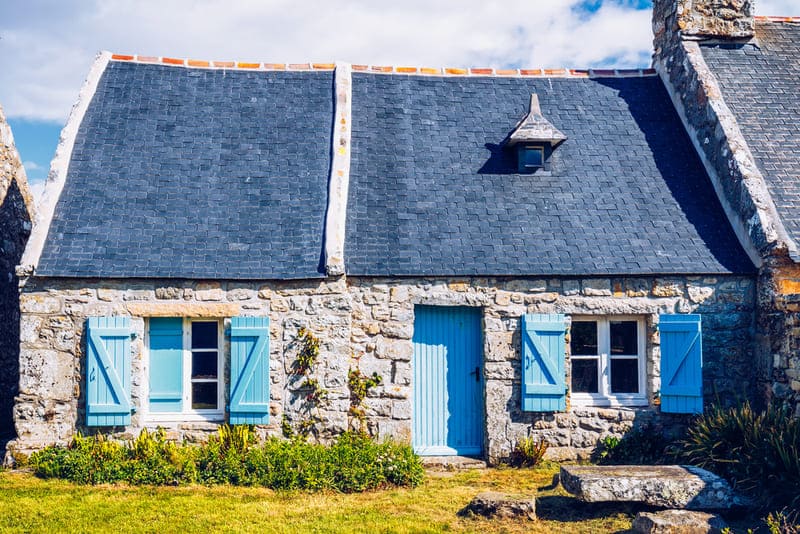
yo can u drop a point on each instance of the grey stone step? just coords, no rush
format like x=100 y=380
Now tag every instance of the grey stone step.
x=492 y=504
x=678 y=522
x=452 y=462
x=667 y=486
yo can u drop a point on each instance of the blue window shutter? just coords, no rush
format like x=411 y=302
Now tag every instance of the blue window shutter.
x=108 y=371
x=681 y=364
x=543 y=353
x=166 y=364
x=249 y=403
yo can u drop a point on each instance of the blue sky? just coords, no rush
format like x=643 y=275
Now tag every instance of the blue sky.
x=47 y=46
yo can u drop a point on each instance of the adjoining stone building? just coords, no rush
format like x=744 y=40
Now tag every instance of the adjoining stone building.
x=16 y=209
x=515 y=253
x=735 y=81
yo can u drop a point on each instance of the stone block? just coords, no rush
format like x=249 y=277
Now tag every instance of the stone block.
x=496 y=505
x=571 y=287
x=678 y=522
x=597 y=287
x=667 y=287
x=208 y=291
x=668 y=486
x=39 y=303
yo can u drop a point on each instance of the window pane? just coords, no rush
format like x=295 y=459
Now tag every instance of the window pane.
x=204 y=365
x=624 y=338
x=583 y=338
x=624 y=375
x=204 y=335
x=584 y=375
x=204 y=396
x=532 y=157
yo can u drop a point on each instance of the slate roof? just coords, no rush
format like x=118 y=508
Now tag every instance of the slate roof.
x=222 y=174
x=761 y=84
x=196 y=173
x=434 y=192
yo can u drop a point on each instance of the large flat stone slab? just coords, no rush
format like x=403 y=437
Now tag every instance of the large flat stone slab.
x=667 y=486
x=492 y=504
x=678 y=522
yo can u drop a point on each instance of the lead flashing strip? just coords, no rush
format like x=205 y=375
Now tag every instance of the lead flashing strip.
x=59 y=167
x=387 y=69
x=339 y=183
x=792 y=20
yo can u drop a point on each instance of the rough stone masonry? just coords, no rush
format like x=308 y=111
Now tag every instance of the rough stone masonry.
x=369 y=322
x=15 y=216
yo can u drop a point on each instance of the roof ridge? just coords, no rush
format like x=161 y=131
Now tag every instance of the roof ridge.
x=387 y=69
x=770 y=18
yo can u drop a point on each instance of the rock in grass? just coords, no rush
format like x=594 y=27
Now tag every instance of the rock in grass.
x=666 y=486
x=492 y=504
x=678 y=522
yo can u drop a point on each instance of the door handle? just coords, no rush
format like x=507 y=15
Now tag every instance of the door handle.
x=477 y=373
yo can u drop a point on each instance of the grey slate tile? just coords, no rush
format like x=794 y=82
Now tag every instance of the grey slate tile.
x=432 y=192
x=761 y=85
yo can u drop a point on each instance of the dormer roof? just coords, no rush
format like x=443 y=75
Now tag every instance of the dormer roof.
x=535 y=128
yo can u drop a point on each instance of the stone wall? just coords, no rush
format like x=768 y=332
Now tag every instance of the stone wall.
x=369 y=323
x=678 y=25
x=15 y=227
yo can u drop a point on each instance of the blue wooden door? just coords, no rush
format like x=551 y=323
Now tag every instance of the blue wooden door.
x=448 y=381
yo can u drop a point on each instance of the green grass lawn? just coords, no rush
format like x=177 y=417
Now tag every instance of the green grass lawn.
x=29 y=504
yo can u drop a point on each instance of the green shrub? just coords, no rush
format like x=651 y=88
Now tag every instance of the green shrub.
x=759 y=452
x=354 y=462
x=783 y=522
x=639 y=446
x=528 y=452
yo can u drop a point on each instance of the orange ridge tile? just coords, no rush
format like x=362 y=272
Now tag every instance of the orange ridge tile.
x=555 y=72
x=359 y=68
x=122 y=57
x=224 y=64
x=376 y=68
x=323 y=66
x=506 y=72
x=406 y=70
x=481 y=71
x=530 y=72
x=246 y=65
x=197 y=63
x=429 y=70
x=455 y=71
x=275 y=66
x=580 y=73
x=172 y=61
x=147 y=59
x=299 y=66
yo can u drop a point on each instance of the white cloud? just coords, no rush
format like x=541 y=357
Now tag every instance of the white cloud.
x=47 y=46
x=783 y=8
x=31 y=166
x=37 y=189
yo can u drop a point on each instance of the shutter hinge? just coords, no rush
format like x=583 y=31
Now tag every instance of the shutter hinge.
x=134 y=335
x=227 y=331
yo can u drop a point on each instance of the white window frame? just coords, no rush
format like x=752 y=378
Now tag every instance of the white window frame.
x=604 y=397
x=188 y=415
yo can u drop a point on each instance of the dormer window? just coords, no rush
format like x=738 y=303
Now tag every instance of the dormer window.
x=534 y=139
x=530 y=157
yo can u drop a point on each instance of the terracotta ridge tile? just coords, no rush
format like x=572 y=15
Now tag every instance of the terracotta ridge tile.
x=122 y=57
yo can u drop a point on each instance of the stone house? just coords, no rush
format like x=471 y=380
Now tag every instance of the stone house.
x=16 y=210
x=546 y=253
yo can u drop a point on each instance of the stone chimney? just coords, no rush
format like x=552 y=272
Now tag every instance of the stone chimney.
x=701 y=19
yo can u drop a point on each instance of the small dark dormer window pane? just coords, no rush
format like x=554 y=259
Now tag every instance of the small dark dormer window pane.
x=530 y=158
